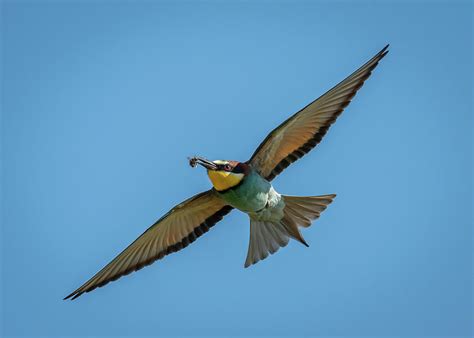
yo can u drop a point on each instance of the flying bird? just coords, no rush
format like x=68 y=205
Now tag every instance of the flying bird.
x=274 y=218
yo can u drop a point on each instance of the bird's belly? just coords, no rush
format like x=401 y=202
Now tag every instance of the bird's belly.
x=250 y=196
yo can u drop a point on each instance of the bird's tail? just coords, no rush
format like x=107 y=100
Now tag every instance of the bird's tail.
x=266 y=237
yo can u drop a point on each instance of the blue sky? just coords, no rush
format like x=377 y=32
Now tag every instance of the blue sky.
x=103 y=101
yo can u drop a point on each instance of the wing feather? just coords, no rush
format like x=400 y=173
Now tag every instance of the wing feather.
x=173 y=232
x=304 y=130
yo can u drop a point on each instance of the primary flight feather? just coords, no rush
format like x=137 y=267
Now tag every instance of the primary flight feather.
x=274 y=218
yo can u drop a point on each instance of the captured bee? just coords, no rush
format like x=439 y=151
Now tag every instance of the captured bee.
x=193 y=161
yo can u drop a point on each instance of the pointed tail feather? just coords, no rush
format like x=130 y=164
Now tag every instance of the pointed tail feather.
x=267 y=237
x=303 y=210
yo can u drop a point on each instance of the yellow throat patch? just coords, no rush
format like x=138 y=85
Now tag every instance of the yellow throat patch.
x=223 y=180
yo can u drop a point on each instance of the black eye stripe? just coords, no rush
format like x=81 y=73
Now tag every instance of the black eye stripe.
x=238 y=169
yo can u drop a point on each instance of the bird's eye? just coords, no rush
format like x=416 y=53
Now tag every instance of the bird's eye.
x=227 y=167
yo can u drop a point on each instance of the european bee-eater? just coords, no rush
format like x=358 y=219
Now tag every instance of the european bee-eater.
x=274 y=218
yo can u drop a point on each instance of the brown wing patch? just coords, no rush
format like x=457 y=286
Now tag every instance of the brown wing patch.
x=304 y=130
x=173 y=232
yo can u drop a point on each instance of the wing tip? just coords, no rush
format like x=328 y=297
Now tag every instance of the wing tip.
x=384 y=51
x=74 y=295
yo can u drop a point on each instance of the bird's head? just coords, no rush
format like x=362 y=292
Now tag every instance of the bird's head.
x=222 y=173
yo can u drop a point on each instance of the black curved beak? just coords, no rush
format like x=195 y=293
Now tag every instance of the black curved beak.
x=194 y=161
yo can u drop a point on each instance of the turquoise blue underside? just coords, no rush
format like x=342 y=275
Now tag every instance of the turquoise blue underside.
x=250 y=195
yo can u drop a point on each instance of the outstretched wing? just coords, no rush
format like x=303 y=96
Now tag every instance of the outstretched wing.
x=174 y=231
x=304 y=130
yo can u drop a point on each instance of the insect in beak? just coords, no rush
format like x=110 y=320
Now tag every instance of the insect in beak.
x=194 y=161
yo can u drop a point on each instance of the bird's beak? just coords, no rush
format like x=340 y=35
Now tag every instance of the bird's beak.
x=202 y=161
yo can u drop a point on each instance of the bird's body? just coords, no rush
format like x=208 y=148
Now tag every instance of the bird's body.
x=256 y=197
x=250 y=195
x=246 y=186
x=274 y=218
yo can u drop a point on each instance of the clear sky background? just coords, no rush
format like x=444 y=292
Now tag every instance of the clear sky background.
x=103 y=101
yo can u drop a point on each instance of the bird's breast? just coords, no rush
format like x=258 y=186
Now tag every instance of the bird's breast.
x=251 y=195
